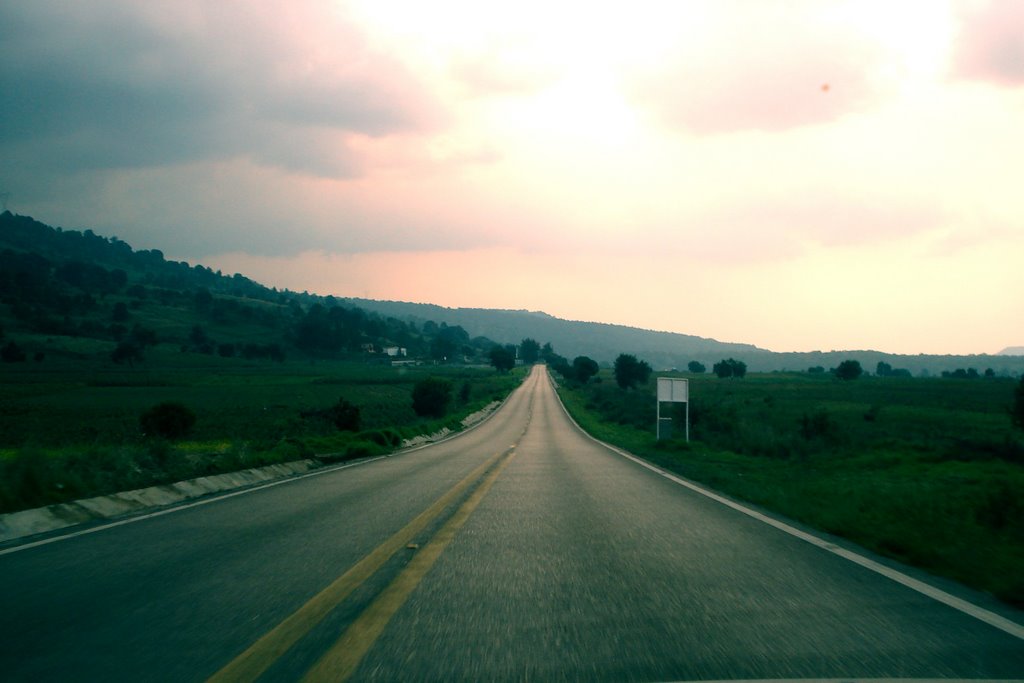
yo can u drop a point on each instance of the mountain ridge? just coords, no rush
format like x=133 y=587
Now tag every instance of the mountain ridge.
x=667 y=350
x=70 y=257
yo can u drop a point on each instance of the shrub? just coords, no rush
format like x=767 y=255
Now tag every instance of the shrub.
x=126 y=352
x=345 y=416
x=170 y=420
x=388 y=438
x=12 y=353
x=430 y=397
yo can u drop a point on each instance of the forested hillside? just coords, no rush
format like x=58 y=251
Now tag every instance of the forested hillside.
x=60 y=288
x=76 y=294
x=666 y=350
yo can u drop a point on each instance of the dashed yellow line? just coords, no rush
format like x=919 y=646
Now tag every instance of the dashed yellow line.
x=342 y=659
x=252 y=663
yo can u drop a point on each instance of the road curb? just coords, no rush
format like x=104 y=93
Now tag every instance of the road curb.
x=15 y=525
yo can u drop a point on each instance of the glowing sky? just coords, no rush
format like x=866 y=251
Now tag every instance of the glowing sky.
x=798 y=175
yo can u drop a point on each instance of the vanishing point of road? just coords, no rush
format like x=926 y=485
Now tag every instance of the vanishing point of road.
x=520 y=550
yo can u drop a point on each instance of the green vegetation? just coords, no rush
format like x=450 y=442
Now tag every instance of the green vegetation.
x=111 y=358
x=76 y=428
x=431 y=396
x=928 y=471
x=730 y=367
x=503 y=358
x=629 y=371
x=58 y=285
x=849 y=369
x=167 y=420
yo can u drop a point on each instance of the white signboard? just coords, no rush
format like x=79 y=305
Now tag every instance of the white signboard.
x=672 y=390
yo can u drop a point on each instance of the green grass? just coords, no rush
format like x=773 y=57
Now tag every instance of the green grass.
x=69 y=428
x=927 y=471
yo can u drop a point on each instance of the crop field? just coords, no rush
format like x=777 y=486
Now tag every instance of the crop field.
x=71 y=428
x=927 y=471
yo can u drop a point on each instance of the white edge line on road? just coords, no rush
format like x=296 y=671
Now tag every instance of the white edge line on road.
x=990 y=618
x=186 y=506
x=251 y=489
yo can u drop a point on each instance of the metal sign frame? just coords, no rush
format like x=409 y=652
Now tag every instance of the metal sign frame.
x=672 y=390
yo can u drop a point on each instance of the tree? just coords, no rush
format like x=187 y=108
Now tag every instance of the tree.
x=696 y=367
x=126 y=352
x=1018 y=404
x=583 y=368
x=849 y=369
x=120 y=313
x=730 y=367
x=12 y=353
x=170 y=420
x=629 y=371
x=529 y=351
x=502 y=359
x=430 y=397
x=449 y=341
x=883 y=369
x=203 y=300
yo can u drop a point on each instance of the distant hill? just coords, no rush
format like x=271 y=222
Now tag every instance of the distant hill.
x=77 y=295
x=570 y=338
x=60 y=287
x=666 y=350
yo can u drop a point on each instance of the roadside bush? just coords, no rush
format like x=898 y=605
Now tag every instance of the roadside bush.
x=170 y=420
x=26 y=481
x=431 y=396
x=345 y=416
x=389 y=438
x=817 y=425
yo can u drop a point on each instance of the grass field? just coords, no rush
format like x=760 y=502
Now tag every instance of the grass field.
x=70 y=428
x=928 y=471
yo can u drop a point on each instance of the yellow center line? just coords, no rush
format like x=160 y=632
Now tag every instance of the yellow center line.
x=341 y=660
x=252 y=663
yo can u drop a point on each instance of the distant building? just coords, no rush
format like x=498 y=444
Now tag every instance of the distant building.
x=395 y=351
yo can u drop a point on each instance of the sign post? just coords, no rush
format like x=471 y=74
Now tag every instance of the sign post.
x=672 y=390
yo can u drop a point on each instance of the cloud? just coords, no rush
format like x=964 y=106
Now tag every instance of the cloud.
x=497 y=72
x=118 y=84
x=990 y=46
x=764 y=69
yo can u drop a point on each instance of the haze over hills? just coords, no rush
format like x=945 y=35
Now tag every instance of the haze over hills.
x=666 y=350
x=600 y=341
x=53 y=293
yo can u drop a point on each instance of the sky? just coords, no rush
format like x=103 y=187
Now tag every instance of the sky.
x=800 y=175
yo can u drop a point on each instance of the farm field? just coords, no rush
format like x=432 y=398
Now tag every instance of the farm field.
x=927 y=471
x=70 y=428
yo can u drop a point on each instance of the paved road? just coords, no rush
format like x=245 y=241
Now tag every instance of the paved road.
x=521 y=550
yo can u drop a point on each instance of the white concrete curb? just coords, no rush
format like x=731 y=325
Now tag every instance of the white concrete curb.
x=15 y=525
x=52 y=517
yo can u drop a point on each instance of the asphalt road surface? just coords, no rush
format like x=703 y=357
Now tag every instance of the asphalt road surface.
x=520 y=550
